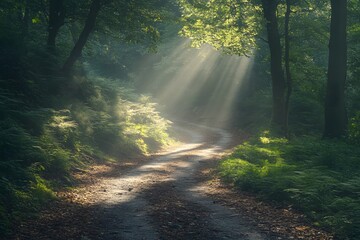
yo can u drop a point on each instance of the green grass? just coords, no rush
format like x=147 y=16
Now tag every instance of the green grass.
x=319 y=177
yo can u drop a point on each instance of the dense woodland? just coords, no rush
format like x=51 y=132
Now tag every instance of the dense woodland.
x=80 y=82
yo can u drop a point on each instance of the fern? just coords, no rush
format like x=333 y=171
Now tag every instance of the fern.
x=321 y=178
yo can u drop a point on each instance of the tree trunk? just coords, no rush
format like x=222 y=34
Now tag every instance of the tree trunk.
x=335 y=110
x=84 y=35
x=279 y=116
x=287 y=57
x=56 y=20
x=25 y=20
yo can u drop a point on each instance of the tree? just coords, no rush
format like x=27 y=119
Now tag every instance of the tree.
x=279 y=116
x=56 y=20
x=129 y=21
x=238 y=34
x=335 y=109
x=287 y=59
x=88 y=28
x=229 y=26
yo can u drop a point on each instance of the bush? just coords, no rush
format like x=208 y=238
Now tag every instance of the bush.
x=320 y=178
x=40 y=145
x=306 y=114
x=354 y=129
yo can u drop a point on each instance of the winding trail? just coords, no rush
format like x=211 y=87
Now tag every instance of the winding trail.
x=163 y=199
x=173 y=196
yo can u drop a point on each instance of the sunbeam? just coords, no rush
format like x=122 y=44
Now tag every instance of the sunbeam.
x=198 y=84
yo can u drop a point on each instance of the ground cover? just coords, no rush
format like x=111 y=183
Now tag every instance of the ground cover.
x=318 y=177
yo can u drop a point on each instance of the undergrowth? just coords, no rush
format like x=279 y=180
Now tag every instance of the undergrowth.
x=319 y=177
x=43 y=140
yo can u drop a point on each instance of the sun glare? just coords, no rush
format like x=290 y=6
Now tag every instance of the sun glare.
x=198 y=84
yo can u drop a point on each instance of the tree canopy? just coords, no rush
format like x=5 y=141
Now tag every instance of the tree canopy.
x=90 y=81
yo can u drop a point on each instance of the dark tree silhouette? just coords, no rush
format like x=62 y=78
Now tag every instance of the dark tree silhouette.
x=287 y=59
x=56 y=20
x=88 y=28
x=335 y=110
x=279 y=116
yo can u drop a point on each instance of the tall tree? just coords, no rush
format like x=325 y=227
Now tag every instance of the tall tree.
x=56 y=20
x=279 y=116
x=233 y=26
x=88 y=28
x=335 y=109
x=287 y=60
x=129 y=21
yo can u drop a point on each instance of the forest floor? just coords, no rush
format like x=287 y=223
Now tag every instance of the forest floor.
x=174 y=194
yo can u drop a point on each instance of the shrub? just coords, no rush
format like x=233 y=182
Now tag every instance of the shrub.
x=320 y=178
x=354 y=129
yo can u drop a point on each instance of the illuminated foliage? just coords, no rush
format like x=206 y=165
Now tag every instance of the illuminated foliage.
x=229 y=25
x=320 y=178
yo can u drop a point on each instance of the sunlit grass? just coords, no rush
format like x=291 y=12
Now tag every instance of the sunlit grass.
x=320 y=178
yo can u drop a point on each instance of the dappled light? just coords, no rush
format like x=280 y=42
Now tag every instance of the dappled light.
x=184 y=119
x=173 y=164
x=298 y=171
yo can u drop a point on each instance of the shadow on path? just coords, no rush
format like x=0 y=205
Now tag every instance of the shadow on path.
x=160 y=199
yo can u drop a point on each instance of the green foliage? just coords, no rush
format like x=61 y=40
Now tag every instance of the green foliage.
x=137 y=21
x=51 y=124
x=143 y=125
x=118 y=120
x=40 y=146
x=231 y=26
x=354 y=129
x=306 y=114
x=320 y=178
x=255 y=111
x=353 y=83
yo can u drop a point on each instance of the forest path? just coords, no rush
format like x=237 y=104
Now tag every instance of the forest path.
x=163 y=199
x=171 y=195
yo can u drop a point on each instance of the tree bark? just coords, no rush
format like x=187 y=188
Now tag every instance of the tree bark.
x=287 y=58
x=335 y=109
x=279 y=115
x=56 y=20
x=84 y=35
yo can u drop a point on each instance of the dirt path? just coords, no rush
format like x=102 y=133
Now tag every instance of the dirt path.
x=165 y=198
x=166 y=186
